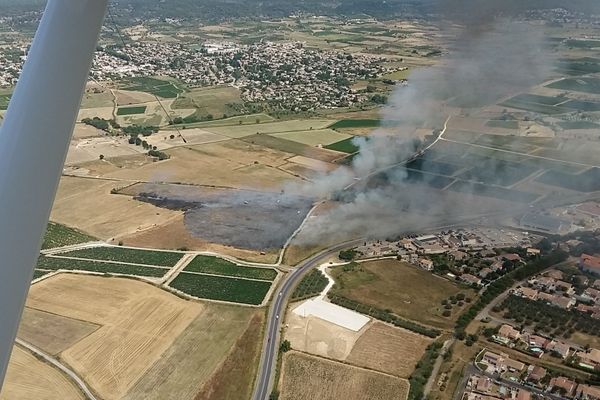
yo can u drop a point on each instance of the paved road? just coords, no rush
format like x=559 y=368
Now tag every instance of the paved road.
x=270 y=348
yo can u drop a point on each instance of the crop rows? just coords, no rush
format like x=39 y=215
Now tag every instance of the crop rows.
x=131 y=110
x=55 y=263
x=220 y=288
x=122 y=254
x=311 y=285
x=58 y=235
x=215 y=265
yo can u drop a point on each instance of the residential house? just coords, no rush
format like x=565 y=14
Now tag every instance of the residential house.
x=484 y=272
x=523 y=394
x=562 y=386
x=426 y=264
x=527 y=293
x=533 y=252
x=513 y=365
x=554 y=273
x=535 y=373
x=565 y=287
x=511 y=257
x=470 y=279
x=508 y=332
x=559 y=349
x=590 y=360
x=589 y=263
x=591 y=294
x=587 y=392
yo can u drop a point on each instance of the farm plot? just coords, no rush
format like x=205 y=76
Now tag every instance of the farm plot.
x=218 y=102
x=306 y=377
x=355 y=123
x=235 y=290
x=38 y=273
x=128 y=255
x=344 y=146
x=131 y=110
x=270 y=127
x=310 y=286
x=434 y=167
x=395 y=351
x=219 y=266
x=56 y=263
x=580 y=105
x=578 y=125
x=157 y=87
x=498 y=172
x=479 y=189
x=30 y=378
x=534 y=98
x=580 y=66
x=584 y=85
x=58 y=235
x=289 y=146
x=323 y=137
x=500 y=123
x=588 y=181
x=399 y=287
x=4 y=100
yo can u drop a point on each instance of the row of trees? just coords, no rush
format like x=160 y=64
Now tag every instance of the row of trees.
x=423 y=370
x=101 y=123
x=383 y=315
x=311 y=285
x=135 y=130
x=499 y=286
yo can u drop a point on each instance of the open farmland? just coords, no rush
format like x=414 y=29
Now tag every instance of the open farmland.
x=270 y=127
x=138 y=323
x=38 y=273
x=30 y=378
x=399 y=287
x=355 y=123
x=344 y=146
x=584 y=84
x=292 y=147
x=323 y=137
x=588 y=181
x=306 y=378
x=56 y=263
x=235 y=290
x=131 y=110
x=395 y=351
x=157 y=87
x=58 y=235
x=127 y=255
x=218 y=102
x=4 y=100
x=219 y=266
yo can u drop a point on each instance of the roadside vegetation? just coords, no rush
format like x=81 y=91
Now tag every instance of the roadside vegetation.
x=311 y=285
x=423 y=371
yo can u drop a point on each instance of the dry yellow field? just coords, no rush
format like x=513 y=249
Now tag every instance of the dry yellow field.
x=307 y=378
x=139 y=323
x=88 y=205
x=51 y=332
x=149 y=344
x=392 y=350
x=29 y=378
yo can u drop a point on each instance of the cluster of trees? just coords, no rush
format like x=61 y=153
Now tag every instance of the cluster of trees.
x=101 y=123
x=311 y=285
x=423 y=371
x=190 y=119
x=499 y=286
x=383 y=315
x=158 y=154
x=459 y=300
x=135 y=130
x=347 y=255
x=548 y=318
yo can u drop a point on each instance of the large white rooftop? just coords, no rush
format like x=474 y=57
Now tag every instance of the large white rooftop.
x=332 y=313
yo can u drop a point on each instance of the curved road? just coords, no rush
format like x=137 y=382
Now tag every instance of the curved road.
x=270 y=347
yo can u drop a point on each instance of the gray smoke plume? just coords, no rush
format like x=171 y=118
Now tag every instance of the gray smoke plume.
x=492 y=58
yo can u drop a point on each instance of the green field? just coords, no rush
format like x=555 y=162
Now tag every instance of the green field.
x=583 y=105
x=38 y=273
x=578 y=125
x=311 y=285
x=506 y=124
x=314 y=137
x=131 y=110
x=54 y=263
x=219 y=266
x=220 y=101
x=4 y=99
x=344 y=146
x=219 y=288
x=120 y=254
x=535 y=107
x=585 y=85
x=58 y=235
x=582 y=43
x=161 y=88
x=355 y=123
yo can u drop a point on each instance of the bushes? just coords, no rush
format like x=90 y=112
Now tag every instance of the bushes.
x=383 y=315
x=347 y=255
x=423 y=370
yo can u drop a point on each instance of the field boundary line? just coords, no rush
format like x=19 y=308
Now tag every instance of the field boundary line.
x=225 y=276
x=107 y=261
x=53 y=361
x=177 y=268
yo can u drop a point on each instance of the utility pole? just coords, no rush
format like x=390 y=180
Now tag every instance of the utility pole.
x=34 y=140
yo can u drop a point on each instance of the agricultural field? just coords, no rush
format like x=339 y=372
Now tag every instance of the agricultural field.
x=344 y=146
x=127 y=255
x=311 y=285
x=157 y=87
x=321 y=137
x=143 y=333
x=493 y=192
x=56 y=263
x=395 y=351
x=505 y=124
x=4 y=100
x=219 y=266
x=131 y=110
x=38 y=273
x=306 y=377
x=235 y=290
x=58 y=235
x=578 y=125
x=298 y=125
x=296 y=148
x=218 y=102
x=30 y=378
x=588 y=181
x=399 y=287
x=355 y=123
x=584 y=85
